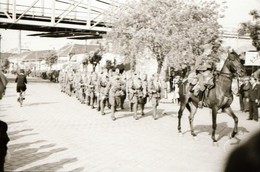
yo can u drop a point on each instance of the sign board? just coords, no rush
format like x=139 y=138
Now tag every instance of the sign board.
x=252 y=59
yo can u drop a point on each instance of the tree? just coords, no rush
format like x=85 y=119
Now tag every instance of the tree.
x=173 y=31
x=5 y=64
x=94 y=58
x=50 y=60
x=252 y=28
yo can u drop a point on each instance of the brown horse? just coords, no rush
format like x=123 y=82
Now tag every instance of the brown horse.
x=219 y=97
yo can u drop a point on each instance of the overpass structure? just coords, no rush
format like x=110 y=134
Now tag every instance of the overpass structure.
x=74 y=19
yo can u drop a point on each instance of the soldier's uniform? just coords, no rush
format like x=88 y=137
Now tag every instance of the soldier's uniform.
x=154 y=90
x=128 y=87
x=145 y=88
x=123 y=88
x=69 y=82
x=62 y=80
x=78 y=81
x=90 y=89
x=136 y=93
x=81 y=91
x=102 y=98
x=205 y=77
x=114 y=91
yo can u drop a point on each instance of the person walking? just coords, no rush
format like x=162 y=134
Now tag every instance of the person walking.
x=21 y=84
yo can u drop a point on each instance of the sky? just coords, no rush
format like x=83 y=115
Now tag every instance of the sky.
x=237 y=12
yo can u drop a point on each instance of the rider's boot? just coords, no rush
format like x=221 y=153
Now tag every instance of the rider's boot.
x=200 y=104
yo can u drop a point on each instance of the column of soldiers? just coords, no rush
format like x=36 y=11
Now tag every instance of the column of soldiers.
x=111 y=88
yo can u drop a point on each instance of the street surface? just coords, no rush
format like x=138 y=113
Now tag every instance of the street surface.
x=54 y=132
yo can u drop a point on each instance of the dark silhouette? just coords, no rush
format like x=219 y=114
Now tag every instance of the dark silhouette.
x=246 y=157
x=4 y=139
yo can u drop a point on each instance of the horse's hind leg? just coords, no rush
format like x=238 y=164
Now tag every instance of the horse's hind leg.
x=230 y=112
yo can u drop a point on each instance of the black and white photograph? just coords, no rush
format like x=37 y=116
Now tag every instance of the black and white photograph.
x=129 y=85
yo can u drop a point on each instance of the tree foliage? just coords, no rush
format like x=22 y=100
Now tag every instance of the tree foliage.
x=252 y=28
x=50 y=60
x=174 y=31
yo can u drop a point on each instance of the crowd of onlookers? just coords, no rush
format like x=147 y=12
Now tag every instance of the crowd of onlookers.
x=249 y=96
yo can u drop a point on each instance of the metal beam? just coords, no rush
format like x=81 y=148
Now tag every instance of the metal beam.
x=68 y=12
x=26 y=10
x=7 y=15
x=53 y=13
x=14 y=10
x=35 y=23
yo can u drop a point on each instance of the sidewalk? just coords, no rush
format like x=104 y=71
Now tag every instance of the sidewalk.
x=54 y=132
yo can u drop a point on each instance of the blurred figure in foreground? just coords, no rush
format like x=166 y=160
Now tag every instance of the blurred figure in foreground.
x=246 y=157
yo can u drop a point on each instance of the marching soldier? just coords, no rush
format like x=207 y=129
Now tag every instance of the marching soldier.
x=123 y=88
x=102 y=99
x=69 y=82
x=145 y=89
x=91 y=89
x=114 y=91
x=154 y=90
x=128 y=87
x=136 y=94
x=83 y=87
x=62 y=76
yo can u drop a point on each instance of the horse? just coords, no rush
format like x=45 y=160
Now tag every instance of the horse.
x=218 y=97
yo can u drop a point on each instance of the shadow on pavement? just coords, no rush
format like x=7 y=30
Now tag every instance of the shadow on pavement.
x=24 y=153
x=39 y=103
x=222 y=130
x=54 y=166
x=15 y=122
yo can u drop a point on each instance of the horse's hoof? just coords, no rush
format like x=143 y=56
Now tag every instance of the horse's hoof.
x=142 y=114
x=193 y=134
x=195 y=138
x=232 y=134
x=180 y=134
x=113 y=118
x=103 y=113
x=136 y=118
x=215 y=144
x=155 y=118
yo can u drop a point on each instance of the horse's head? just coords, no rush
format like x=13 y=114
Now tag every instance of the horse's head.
x=233 y=63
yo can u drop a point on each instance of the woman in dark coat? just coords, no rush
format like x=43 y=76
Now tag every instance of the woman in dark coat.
x=21 y=82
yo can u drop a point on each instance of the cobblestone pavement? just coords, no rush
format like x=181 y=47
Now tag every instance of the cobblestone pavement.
x=54 y=132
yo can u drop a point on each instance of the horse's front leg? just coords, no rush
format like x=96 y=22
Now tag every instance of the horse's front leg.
x=183 y=103
x=230 y=112
x=214 y=124
x=193 y=110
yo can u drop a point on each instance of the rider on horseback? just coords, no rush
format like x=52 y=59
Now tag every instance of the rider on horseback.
x=204 y=76
x=204 y=73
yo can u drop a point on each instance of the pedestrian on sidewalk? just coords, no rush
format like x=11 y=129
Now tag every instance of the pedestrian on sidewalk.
x=245 y=92
x=254 y=97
